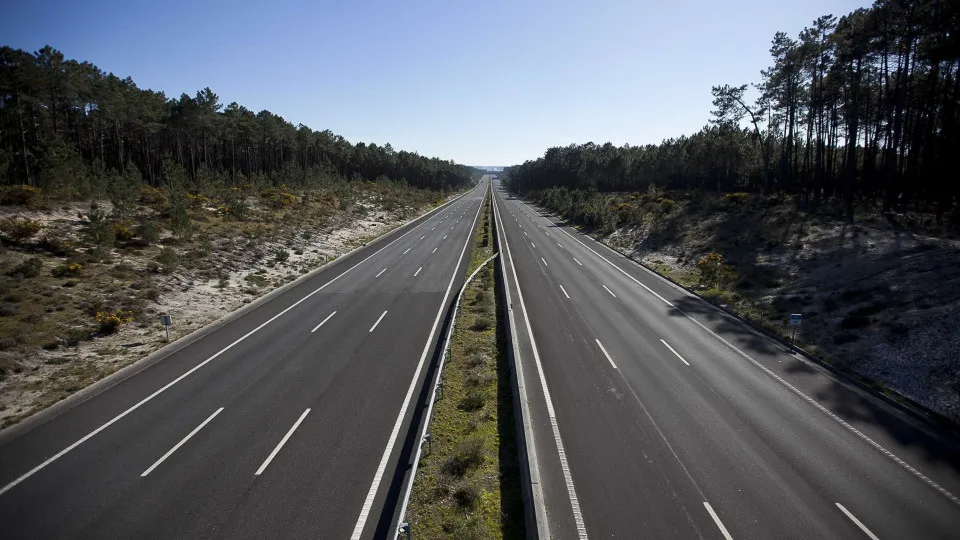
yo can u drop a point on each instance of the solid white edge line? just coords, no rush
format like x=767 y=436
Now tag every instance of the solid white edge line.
x=417 y=272
x=877 y=446
x=181 y=443
x=605 y=353
x=608 y=290
x=857 y=522
x=716 y=519
x=635 y=280
x=674 y=351
x=381 y=468
x=564 y=291
x=189 y=372
x=381 y=272
x=283 y=441
x=551 y=413
x=433 y=394
x=315 y=328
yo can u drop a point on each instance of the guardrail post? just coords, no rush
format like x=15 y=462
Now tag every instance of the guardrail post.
x=428 y=439
x=404 y=531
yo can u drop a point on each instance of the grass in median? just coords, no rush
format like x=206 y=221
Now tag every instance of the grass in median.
x=469 y=486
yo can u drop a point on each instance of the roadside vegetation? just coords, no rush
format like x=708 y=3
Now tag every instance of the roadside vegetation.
x=468 y=485
x=820 y=190
x=878 y=298
x=82 y=285
x=118 y=204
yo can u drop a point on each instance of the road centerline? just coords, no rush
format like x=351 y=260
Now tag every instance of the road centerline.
x=182 y=442
x=608 y=290
x=282 y=442
x=857 y=522
x=716 y=519
x=315 y=328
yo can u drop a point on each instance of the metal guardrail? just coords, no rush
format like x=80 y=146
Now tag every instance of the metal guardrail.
x=425 y=438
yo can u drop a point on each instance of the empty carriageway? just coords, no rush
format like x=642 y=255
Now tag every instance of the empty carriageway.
x=285 y=421
x=674 y=423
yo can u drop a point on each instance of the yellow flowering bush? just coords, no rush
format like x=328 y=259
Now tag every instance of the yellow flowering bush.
x=109 y=322
x=736 y=198
x=67 y=270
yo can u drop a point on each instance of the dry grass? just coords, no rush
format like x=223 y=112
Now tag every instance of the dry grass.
x=469 y=486
x=874 y=294
x=53 y=284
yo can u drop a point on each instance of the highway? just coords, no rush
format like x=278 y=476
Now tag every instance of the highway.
x=288 y=421
x=657 y=416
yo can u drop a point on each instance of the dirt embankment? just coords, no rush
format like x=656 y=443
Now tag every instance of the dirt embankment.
x=881 y=297
x=53 y=341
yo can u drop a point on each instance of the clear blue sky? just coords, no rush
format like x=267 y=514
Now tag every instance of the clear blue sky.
x=480 y=82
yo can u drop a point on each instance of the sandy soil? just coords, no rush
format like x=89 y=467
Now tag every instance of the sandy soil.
x=193 y=301
x=906 y=286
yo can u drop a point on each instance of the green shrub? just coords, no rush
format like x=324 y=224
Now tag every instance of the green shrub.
x=736 y=198
x=474 y=400
x=109 y=322
x=466 y=455
x=845 y=337
x=666 y=205
x=29 y=268
x=122 y=233
x=22 y=195
x=281 y=255
x=481 y=324
x=278 y=197
x=148 y=232
x=854 y=320
x=67 y=270
x=153 y=197
x=469 y=527
x=711 y=267
x=179 y=216
x=467 y=496
x=55 y=244
x=237 y=208
x=168 y=259
x=19 y=231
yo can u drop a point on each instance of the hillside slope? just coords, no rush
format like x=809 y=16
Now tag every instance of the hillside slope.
x=881 y=297
x=81 y=294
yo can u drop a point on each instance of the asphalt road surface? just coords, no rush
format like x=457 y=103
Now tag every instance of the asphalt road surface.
x=287 y=422
x=656 y=416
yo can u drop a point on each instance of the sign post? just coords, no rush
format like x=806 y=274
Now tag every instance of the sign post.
x=167 y=322
x=796 y=319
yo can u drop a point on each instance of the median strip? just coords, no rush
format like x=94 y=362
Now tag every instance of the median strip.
x=467 y=482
